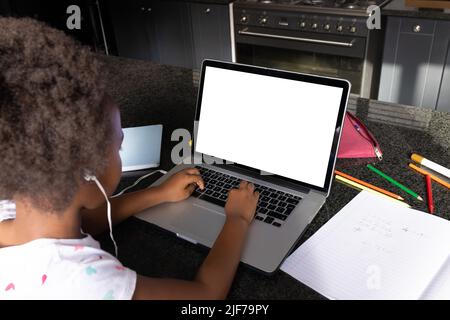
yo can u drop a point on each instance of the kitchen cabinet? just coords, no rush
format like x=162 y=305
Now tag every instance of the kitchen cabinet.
x=414 y=59
x=153 y=30
x=5 y=8
x=211 y=32
x=172 y=33
x=444 y=94
x=130 y=20
x=179 y=33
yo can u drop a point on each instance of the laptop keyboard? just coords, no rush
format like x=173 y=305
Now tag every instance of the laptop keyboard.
x=274 y=206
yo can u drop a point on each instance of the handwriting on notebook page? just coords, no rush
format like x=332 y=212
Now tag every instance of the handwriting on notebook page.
x=401 y=246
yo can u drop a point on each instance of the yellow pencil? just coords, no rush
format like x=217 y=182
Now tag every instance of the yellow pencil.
x=361 y=187
x=371 y=186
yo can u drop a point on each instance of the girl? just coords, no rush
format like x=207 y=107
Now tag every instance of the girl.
x=60 y=137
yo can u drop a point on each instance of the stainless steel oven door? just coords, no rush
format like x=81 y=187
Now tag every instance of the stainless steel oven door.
x=322 y=54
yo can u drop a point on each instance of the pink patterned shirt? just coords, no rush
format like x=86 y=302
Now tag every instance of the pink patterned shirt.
x=61 y=269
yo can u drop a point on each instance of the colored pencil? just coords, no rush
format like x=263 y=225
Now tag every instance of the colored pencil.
x=426 y=173
x=361 y=187
x=430 y=164
x=429 y=194
x=394 y=182
x=371 y=186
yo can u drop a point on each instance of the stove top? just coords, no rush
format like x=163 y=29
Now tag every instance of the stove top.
x=339 y=5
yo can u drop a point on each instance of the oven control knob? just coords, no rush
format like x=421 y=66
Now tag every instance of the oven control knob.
x=326 y=27
x=352 y=29
x=263 y=20
x=302 y=24
x=339 y=28
x=244 y=19
x=314 y=25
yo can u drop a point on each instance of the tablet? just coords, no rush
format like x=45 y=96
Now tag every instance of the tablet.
x=141 y=147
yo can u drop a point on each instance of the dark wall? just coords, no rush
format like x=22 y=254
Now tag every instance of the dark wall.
x=54 y=13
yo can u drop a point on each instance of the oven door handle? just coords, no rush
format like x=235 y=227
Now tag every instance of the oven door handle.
x=309 y=40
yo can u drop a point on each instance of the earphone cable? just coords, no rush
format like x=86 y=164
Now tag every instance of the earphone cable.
x=109 y=216
x=137 y=181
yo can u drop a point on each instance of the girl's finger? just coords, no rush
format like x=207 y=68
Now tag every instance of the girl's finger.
x=243 y=184
x=195 y=179
x=193 y=171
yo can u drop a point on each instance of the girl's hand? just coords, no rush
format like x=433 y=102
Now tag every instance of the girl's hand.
x=181 y=185
x=242 y=202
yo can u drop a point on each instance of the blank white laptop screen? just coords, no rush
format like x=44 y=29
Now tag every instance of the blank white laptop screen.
x=141 y=147
x=284 y=127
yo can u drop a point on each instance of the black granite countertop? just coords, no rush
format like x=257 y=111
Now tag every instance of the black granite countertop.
x=398 y=8
x=150 y=93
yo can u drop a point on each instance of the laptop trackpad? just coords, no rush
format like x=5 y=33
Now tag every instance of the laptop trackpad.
x=201 y=224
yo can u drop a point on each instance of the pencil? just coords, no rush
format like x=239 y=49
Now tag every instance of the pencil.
x=429 y=194
x=430 y=164
x=361 y=187
x=426 y=173
x=371 y=186
x=394 y=182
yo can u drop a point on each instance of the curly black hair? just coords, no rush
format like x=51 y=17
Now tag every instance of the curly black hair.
x=53 y=124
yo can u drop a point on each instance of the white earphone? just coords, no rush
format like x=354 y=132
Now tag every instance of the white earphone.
x=89 y=177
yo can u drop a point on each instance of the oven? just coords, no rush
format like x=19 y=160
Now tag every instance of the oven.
x=317 y=42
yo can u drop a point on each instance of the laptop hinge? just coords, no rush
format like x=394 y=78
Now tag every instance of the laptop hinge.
x=186 y=238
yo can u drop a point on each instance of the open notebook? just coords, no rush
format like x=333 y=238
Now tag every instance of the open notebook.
x=376 y=249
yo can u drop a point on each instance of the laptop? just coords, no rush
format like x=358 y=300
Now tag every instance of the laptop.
x=279 y=130
x=141 y=147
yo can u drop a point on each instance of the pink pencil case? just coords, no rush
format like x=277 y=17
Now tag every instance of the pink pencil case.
x=357 y=141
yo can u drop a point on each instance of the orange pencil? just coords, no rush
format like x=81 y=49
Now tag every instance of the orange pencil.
x=426 y=173
x=368 y=185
